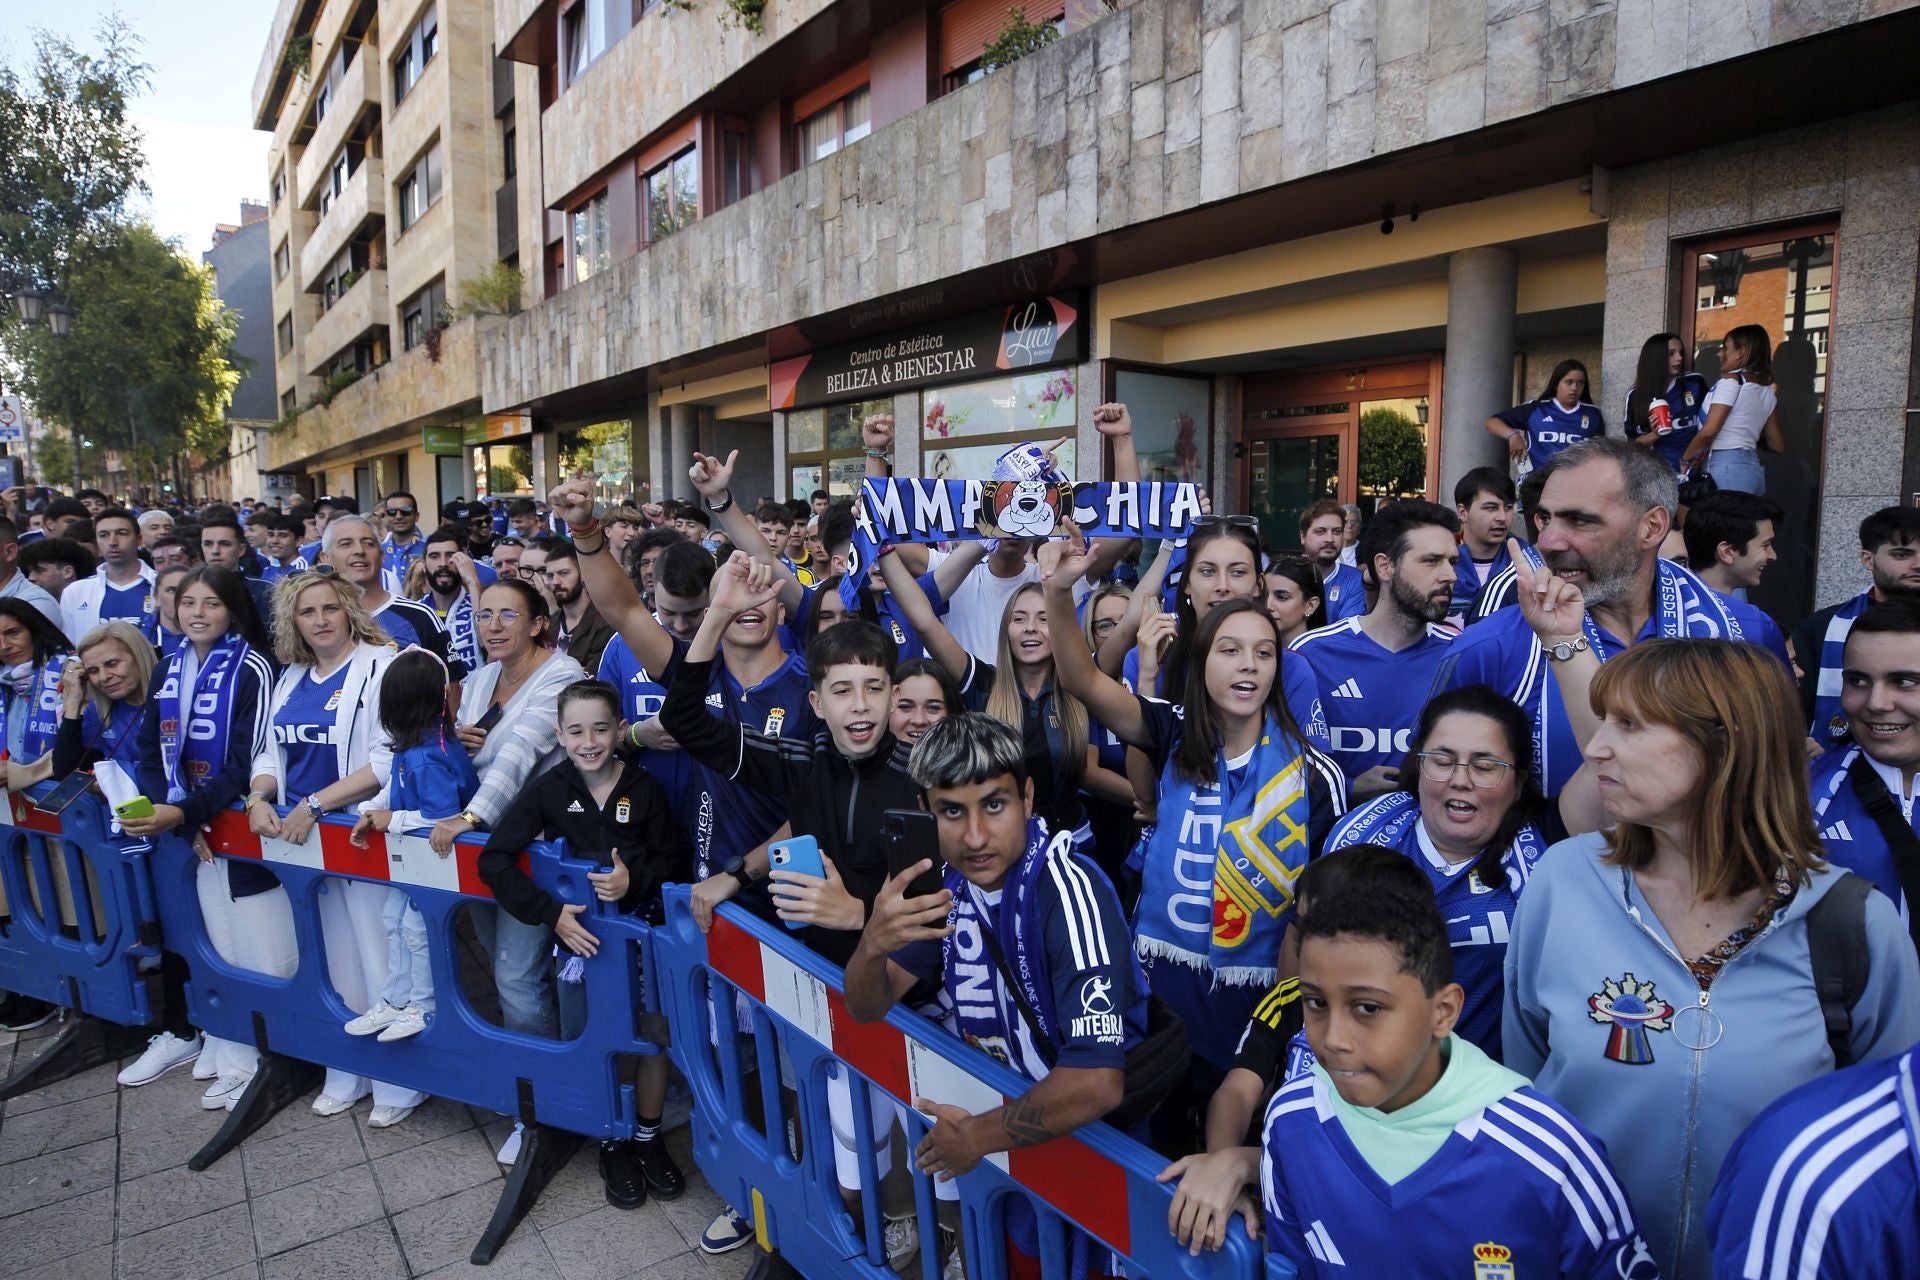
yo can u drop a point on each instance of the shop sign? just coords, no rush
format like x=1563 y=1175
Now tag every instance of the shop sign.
x=496 y=426
x=442 y=441
x=1038 y=331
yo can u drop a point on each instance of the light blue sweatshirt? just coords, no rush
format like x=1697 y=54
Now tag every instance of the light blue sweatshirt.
x=1601 y=1011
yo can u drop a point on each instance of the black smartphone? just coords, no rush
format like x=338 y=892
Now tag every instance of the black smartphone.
x=492 y=717
x=61 y=798
x=913 y=835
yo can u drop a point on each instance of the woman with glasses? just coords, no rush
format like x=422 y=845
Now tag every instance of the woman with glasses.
x=1660 y=975
x=509 y=710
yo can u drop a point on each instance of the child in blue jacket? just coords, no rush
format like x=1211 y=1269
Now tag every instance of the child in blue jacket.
x=425 y=775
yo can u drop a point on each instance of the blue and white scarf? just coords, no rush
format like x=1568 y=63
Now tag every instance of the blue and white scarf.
x=463 y=644
x=38 y=699
x=1829 y=721
x=889 y=511
x=996 y=1028
x=1217 y=879
x=1390 y=821
x=1683 y=607
x=205 y=721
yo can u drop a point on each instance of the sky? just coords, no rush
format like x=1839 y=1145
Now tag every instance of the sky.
x=203 y=155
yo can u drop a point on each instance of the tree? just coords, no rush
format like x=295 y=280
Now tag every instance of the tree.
x=146 y=365
x=1393 y=454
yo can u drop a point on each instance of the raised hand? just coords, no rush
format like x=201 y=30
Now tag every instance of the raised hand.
x=1551 y=605
x=744 y=584
x=1112 y=419
x=876 y=432
x=572 y=500
x=712 y=477
x=1075 y=554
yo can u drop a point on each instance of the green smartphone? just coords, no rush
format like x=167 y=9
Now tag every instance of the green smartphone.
x=138 y=807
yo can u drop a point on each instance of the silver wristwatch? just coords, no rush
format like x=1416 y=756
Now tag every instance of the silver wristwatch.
x=1565 y=649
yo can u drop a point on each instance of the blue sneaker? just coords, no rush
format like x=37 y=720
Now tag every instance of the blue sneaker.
x=726 y=1233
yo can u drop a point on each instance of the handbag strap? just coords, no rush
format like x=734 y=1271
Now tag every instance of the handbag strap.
x=1041 y=1042
x=1901 y=840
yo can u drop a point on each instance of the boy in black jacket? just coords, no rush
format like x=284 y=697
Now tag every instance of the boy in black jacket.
x=611 y=812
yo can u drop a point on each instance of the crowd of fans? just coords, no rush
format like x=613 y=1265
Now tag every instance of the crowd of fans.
x=1460 y=895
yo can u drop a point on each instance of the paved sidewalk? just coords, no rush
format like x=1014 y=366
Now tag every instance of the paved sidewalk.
x=94 y=1184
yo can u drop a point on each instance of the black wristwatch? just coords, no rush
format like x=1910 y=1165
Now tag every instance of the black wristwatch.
x=717 y=507
x=737 y=868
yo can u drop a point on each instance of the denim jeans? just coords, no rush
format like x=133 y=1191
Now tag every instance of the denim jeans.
x=522 y=970
x=409 y=971
x=1737 y=469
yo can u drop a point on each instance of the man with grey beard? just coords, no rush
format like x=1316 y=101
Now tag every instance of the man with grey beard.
x=1603 y=514
x=1373 y=670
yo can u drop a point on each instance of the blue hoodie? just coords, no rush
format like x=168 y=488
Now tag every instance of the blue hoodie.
x=1598 y=1003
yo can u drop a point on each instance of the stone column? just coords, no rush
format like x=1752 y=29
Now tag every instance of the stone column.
x=1482 y=285
x=684 y=421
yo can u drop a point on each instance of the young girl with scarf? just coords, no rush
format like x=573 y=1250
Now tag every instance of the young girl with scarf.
x=1244 y=802
x=204 y=724
x=33 y=653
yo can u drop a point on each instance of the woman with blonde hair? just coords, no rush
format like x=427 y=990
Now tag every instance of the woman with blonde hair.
x=1657 y=974
x=103 y=695
x=318 y=760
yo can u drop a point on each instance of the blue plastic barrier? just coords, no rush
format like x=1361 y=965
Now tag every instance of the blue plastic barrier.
x=96 y=971
x=1095 y=1180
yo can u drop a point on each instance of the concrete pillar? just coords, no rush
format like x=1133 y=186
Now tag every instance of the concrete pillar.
x=684 y=421
x=1482 y=287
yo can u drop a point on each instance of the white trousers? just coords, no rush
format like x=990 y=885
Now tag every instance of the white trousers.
x=354 y=932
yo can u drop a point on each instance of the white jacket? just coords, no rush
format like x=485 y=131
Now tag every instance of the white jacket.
x=80 y=602
x=356 y=718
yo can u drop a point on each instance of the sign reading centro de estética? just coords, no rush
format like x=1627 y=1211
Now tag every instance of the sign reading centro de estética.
x=1039 y=331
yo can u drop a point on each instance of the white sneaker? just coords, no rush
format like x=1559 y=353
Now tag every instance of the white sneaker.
x=204 y=1069
x=164 y=1052
x=328 y=1105
x=225 y=1091
x=902 y=1238
x=378 y=1018
x=510 y=1149
x=387 y=1117
x=410 y=1021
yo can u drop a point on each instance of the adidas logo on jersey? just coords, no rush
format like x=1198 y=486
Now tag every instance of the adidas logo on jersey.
x=1350 y=689
x=1321 y=1246
x=717 y=700
x=575 y=807
x=1838 y=831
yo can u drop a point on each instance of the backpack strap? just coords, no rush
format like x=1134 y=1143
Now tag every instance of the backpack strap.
x=1837 y=949
x=1903 y=844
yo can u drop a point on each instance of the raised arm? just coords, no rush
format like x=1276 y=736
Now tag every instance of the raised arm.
x=1120 y=642
x=876 y=441
x=713 y=480
x=1116 y=424
x=906 y=592
x=1109 y=700
x=608 y=586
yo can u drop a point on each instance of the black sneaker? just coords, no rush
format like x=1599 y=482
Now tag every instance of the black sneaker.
x=626 y=1189
x=657 y=1167
x=24 y=1013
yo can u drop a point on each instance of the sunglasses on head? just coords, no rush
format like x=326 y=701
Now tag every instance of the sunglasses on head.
x=1231 y=522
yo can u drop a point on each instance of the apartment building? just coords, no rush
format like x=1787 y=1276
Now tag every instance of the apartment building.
x=242 y=279
x=388 y=160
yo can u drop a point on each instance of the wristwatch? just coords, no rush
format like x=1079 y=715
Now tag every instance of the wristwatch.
x=314 y=806
x=1564 y=650
x=737 y=868
x=471 y=818
x=717 y=507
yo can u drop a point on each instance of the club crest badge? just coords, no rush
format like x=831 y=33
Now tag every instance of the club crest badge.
x=1492 y=1262
x=623 y=812
x=1631 y=1008
x=775 y=718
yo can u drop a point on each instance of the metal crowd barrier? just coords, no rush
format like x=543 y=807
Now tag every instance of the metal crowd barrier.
x=1095 y=1181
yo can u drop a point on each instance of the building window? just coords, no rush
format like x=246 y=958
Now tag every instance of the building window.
x=419 y=188
x=823 y=448
x=509 y=145
x=964 y=428
x=279 y=186
x=583 y=37
x=967 y=27
x=282 y=261
x=592 y=247
x=417 y=48
x=344 y=272
x=286 y=334
x=422 y=313
x=836 y=125
x=673 y=195
x=288 y=399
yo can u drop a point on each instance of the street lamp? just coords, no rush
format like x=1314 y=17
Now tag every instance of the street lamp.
x=29 y=303
x=58 y=318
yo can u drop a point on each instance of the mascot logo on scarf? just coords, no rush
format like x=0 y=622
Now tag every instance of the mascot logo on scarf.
x=1026 y=508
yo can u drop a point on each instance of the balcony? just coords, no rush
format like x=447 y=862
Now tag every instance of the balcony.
x=355 y=95
x=360 y=308
x=365 y=197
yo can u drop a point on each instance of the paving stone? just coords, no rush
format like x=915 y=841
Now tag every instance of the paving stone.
x=62 y=1175
x=79 y=1222
x=57 y=1128
x=523 y=1257
x=612 y=1242
x=87 y=1084
x=443 y=1232
x=435 y=1171
x=310 y=1211
x=432 y=1120
x=174 y=1195
x=364 y=1253
x=573 y=1192
x=297 y=1116
x=86 y=1264
x=168 y=1100
x=195 y=1249
x=164 y=1146
x=275 y=1163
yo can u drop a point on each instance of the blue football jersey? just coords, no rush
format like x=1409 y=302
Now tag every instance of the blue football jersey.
x=1478 y=914
x=1344 y=593
x=1686 y=399
x=1371 y=698
x=1551 y=428
x=131 y=604
x=1822 y=1184
x=1518 y=1190
x=1848 y=833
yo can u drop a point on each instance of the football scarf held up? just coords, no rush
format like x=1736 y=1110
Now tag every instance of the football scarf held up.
x=195 y=723
x=890 y=511
x=1218 y=876
x=35 y=699
x=1829 y=721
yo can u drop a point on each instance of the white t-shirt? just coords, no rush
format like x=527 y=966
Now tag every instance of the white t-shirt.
x=1750 y=405
x=974 y=608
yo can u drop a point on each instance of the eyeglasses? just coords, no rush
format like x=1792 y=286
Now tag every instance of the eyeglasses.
x=1484 y=772
x=1231 y=522
x=525 y=570
x=506 y=617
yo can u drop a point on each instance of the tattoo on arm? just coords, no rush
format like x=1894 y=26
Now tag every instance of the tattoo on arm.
x=1025 y=1121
